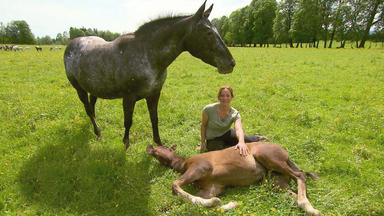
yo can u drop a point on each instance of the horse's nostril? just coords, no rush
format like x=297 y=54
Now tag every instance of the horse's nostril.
x=233 y=63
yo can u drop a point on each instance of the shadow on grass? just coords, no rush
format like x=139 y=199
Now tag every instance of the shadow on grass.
x=68 y=175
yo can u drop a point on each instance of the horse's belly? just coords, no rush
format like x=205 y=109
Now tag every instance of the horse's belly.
x=239 y=175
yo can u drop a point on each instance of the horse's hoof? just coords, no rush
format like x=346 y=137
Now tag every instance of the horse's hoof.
x=126 y=142
x=229 y=206
x=215 y=201
x=158 y=142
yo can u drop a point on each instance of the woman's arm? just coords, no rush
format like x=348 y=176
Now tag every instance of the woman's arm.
x=244 y=151
x=203 y=130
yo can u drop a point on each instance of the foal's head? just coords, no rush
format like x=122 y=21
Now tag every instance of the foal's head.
x=205 y=43
x=164 y=154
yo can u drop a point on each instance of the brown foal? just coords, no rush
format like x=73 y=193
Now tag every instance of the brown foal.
x=213 y=171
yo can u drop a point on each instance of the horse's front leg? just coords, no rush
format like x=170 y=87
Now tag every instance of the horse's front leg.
x=193 y=174
x=129 y=106
x=152 y=103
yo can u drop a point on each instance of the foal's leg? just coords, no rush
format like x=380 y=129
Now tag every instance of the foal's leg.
x=152 y=103
x=89 y=108
x=302 y=200
x=192 y=174
x=128 y=105
x=211 y=190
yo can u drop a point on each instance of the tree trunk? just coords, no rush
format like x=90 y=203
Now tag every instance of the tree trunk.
x=369 y=23
x=331 y=39
x=291 y=43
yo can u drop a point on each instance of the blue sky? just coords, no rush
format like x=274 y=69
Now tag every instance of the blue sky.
x=49 y=17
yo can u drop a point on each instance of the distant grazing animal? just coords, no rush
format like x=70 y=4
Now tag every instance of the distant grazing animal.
x=17 y=48
x=54 y=48
x=38 y=48
x=215 y=170
x=134 y=66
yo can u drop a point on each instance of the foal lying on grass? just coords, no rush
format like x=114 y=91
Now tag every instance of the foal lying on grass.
x=213 y=171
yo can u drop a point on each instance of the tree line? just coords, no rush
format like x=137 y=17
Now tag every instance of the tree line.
x=19 y=32
x=262 y=22
x=265 y=22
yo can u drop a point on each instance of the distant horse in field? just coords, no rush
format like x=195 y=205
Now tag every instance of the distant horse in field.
x=134 y=66
x=39 y=48
x=215 y=170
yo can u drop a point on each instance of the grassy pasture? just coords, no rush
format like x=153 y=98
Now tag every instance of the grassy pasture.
x=325 y=106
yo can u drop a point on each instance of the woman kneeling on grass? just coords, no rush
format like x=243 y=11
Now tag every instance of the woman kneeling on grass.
x=216 y=131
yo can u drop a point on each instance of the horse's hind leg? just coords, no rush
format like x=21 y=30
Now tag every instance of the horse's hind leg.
x=302 y=200
x=128 y=106
x=92 y=100
x=152 y=103
x=89 y=108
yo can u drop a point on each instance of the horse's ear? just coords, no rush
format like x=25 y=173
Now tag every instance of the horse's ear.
x=208 y=12
x=200 y=13
x=174 y=147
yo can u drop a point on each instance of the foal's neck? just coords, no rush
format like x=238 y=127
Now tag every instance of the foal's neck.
x=178 y=164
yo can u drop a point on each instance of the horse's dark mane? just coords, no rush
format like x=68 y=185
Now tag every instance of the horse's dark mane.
x=152 y=26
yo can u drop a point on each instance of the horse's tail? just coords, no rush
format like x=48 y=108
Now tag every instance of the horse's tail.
x=295 y=168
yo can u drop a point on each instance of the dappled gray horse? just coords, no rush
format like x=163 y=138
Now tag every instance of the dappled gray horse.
x=134 y=66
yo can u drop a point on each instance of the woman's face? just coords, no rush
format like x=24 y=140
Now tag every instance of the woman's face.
x=225 y=96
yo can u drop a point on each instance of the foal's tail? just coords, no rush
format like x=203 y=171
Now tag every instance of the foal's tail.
x=291 y=164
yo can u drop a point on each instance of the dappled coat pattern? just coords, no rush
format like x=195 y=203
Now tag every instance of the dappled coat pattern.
x=134 y=66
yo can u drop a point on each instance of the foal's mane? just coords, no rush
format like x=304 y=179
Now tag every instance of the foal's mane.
x=152 y=26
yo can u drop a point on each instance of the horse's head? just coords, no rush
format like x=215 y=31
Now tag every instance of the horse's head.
x=165 y=155
x=204 y=42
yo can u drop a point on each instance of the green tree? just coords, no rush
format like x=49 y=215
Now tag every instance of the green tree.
x=373 y=13
x=75 y=32
x=18 y=32
x=262 y=14
x=326 y=9
x=236 y=30
x=306 y=22
x=335 y=19
x=283 y=21
x=2 y=33
x=46 y=40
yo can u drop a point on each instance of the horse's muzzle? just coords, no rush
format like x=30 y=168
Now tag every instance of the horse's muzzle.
x=149 y=149
x=228 y=68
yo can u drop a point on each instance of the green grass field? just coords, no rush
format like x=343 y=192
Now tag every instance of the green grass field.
x=324 y=106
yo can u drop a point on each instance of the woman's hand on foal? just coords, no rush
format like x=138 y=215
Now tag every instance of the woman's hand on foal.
x=244 y=151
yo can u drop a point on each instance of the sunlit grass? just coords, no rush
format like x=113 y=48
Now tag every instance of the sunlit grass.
x=325 y=106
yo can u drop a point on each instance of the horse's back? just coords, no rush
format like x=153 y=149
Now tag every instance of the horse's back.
x=78 y=48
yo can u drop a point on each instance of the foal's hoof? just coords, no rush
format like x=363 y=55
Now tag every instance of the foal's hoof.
x=229 y=206
x=215 y=201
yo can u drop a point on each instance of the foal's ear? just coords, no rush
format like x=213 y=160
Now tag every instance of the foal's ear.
x=200 y=13
x=208 y=12
x=174 y=147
